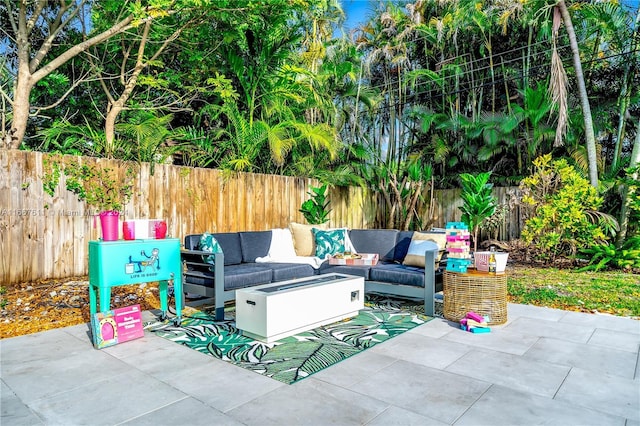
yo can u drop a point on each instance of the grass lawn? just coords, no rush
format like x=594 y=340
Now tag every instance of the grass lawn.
x=616 y=293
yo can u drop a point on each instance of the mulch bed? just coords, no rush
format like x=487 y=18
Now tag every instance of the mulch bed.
x=31 y=307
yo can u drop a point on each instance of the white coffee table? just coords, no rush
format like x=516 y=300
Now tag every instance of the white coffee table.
x=273 y=311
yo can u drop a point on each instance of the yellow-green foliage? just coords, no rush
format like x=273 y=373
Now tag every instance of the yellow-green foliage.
x=565 y=207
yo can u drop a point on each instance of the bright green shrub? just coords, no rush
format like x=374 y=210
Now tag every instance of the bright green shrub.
x=564 y=217
x=605 y=256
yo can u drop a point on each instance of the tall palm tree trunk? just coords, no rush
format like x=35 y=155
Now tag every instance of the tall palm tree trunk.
x=582 y=91
x=625 y=92
x=624 y=210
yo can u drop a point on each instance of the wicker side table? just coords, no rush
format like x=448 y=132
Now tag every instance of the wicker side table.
x=480 y=292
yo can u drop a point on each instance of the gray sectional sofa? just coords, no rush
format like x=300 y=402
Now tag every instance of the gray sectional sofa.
x=236 y=266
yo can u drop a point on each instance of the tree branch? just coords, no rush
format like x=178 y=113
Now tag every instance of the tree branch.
x=54 y=29
x=31 y=23
x=64 y=95
x=79 y=48
x=14 y=25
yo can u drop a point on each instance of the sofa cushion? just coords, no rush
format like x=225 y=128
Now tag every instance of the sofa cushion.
x=329 y=242
x=254 y=244
x=357 y=270
x=398 y=274
x=245 y=275
x=200 y=277
x=231 y=247
x=403 y=240
x=289 y=271
x=192 y=241
x=303 y=239
x=381 y=241
x=440 y=238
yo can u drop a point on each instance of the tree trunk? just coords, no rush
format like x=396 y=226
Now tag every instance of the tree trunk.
x=113 y=110
x=21 y=105
x=624 y=209
x=584 y=99
x=625 y=93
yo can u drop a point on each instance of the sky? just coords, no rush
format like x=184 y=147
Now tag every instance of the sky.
x=357 y=11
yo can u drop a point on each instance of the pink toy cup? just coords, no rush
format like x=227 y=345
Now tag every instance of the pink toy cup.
x=161 y=229
x=128 y=230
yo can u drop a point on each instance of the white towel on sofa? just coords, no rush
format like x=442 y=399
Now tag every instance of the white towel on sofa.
x=283 y=251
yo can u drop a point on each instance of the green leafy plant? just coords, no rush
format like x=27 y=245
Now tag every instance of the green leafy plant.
x=316 y=209
x=564 y=215
x=478 y=202
x=3 y=302
x=604 y=256
x=102 y=188
x=402 y=186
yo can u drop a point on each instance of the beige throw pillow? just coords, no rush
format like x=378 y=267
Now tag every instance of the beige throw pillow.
x=303 y=239
x=418 y=259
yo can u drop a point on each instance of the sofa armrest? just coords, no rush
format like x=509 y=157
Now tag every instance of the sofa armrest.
x=196 y=269
x=192 y=259
x=430 y=281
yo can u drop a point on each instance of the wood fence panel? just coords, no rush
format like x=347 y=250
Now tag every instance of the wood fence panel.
x=287 y=200
x=211 y=208
x=249 y=193
x=44 y=237
x=282 y=200
x=5 y=217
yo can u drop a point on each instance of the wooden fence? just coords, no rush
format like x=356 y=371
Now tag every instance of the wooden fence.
x=44 y=237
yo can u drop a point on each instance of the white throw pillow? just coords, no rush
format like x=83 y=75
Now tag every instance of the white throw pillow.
x=281 y=244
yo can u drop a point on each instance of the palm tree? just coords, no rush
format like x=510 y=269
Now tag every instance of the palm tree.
x=150 y=134
x=625 y=209
x=582 y=91
x=535 y=132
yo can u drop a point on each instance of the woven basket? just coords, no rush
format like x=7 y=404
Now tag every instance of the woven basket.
x=480 y=292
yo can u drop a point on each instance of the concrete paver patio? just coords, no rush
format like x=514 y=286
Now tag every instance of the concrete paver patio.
x=544 y=366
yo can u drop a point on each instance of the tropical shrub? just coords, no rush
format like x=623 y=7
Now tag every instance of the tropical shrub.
x=3 y=301
x=605 y=256
x=564 y=216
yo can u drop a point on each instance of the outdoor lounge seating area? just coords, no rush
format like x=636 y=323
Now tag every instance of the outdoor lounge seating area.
x=253 y=258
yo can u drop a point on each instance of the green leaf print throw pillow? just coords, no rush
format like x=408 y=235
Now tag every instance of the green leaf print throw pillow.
x=329 y=242
x=210 y=244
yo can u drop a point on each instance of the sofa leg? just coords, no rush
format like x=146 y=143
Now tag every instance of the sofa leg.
x=220 y=314
x=429 y=308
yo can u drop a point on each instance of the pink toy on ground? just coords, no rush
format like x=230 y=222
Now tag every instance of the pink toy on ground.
x=475 y=323
x=472 y=315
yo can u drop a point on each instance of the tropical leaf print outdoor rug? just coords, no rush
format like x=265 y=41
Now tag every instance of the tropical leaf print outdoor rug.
x=294 y=358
